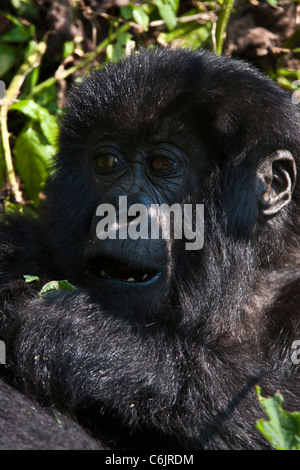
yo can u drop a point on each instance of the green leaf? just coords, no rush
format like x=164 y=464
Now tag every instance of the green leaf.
x=26 y=9
x=8 y=58
x=189 y=34
x=29 y=108
x=283 y=428
x=167 y=13
x=36 y=112
x=141 y=17
x=13 y=208
x=57 y=286
x=33 y=156
x=68 y=48
x=29 y=278
x=19 y=33
x=174 y=4
x=30 y=82
x=126 y=12
x=32 y=77
x=46 y=97
x=117 y=50
x=30 y=47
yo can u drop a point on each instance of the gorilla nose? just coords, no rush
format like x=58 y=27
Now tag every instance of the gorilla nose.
x=139 y=198
x=129 y=211
x=135 y=205
x=117 y=198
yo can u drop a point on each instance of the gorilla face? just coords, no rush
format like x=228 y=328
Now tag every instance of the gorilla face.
x=151 y=139
x=133 y=177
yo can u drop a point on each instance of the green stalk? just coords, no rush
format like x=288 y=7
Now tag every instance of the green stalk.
x=32 y=61
x=66 y=73
x=222 y=21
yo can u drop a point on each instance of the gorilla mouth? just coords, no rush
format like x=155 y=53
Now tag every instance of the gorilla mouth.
x=109 y=268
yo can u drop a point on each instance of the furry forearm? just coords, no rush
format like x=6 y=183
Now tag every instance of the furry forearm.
x=53 y=351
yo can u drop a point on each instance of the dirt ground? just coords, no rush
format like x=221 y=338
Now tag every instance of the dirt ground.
x=259 y=31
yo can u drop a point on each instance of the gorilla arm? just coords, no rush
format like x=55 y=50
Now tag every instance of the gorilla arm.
x=65 y=348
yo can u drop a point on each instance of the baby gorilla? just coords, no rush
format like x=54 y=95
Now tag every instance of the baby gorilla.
x=159 y=346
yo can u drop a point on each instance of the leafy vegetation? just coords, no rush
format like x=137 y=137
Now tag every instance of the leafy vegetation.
x=283 y=428
x=51 y=286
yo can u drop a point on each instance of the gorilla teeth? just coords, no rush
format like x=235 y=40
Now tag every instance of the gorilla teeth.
x=130 y=279
x=111 y=269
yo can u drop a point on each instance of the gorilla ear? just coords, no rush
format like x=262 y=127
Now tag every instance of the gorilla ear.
x=276 y=178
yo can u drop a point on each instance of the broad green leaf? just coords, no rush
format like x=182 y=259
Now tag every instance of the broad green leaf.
x=7 y=58
x=174 y=4
x=167 y=14
x=33 y=157
x=126 y=12
x=283 y=428
x=36 y=112
x=28 y=107
x=29 y=278
x=47 y=98
x=57 y=286
x=141 y=17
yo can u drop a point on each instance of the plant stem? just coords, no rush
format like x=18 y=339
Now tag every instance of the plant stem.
x=222 y=23
x=65 y=73
x=32 y=61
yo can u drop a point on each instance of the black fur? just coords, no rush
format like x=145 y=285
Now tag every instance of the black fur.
x=174 y=368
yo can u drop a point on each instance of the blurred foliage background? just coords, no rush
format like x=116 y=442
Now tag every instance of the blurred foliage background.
x=46 y=45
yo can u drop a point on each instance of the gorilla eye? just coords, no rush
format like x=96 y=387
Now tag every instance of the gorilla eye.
x=160 y=163
x=107 y=161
